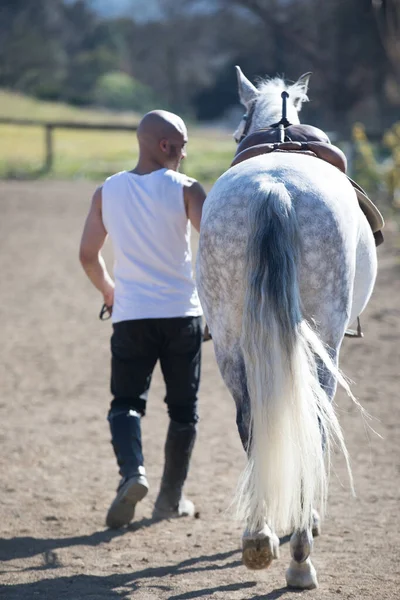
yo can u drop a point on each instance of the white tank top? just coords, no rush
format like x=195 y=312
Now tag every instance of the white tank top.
x=146 y=219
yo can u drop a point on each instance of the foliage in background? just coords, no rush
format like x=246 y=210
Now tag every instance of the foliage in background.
x=365 y=167
x=120 y=91
x=377 y=167
x=63 y=50
x=392 y=141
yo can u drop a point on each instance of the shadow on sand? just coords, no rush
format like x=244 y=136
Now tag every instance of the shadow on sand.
x=113 y=586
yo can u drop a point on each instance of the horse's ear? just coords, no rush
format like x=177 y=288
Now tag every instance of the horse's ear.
x=247 y=91
x=303 y=81
x=299 y=91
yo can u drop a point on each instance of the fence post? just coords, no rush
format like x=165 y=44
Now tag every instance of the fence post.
x=49 y=148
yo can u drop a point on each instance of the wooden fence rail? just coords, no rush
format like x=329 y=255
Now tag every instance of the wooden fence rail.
x=49 y=127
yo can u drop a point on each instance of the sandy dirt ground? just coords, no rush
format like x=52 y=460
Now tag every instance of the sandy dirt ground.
x=57 y=468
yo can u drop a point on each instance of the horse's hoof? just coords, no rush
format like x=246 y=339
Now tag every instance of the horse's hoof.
x=260 y=549
x=316 y=524
x=301 y=575
x=257 y=554
x=301 y=544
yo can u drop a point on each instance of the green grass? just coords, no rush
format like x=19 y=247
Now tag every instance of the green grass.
x=18 y=106
x=93 y=154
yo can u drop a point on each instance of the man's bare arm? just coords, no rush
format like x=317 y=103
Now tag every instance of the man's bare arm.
x=93 y=237
x=194 y=196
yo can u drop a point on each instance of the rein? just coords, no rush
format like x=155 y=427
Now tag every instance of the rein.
x=283 y=123
x=280 y=125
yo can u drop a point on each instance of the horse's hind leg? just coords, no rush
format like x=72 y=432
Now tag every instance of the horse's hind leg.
x=260 y=546
x=301 y=573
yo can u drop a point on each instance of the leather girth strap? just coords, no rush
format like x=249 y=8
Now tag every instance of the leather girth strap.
x=313 y=141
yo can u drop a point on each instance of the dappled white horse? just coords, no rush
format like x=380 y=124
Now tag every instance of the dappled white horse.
x=286 y=262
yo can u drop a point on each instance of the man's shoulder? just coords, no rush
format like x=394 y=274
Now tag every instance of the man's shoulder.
x=180 y=178
x=112 y=184
x=116 y=176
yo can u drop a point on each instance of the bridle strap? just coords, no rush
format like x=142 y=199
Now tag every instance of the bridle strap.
x=248 y=117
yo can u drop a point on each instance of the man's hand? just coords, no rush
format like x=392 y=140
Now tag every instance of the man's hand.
x=108 y=297
x=93 y=237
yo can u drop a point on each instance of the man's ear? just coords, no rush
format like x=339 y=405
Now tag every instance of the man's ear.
x=163 y=145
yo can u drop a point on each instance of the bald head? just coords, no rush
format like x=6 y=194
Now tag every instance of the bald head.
x=162 y=136
x=160 y=124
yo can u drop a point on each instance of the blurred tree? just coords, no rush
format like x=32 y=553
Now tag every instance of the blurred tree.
x=337 y=40
x=119 y=91
x=178 y=55
x=90 y=49
x=53 y=49
x=388 y=17
x=32 y=58
x=186 y=51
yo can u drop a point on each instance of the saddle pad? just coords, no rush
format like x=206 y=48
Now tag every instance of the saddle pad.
x=293 y=133
x=373 y=214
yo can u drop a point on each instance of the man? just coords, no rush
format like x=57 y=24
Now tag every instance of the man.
x=155 y=309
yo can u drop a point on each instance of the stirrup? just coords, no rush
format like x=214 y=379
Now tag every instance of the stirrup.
x=355 y=333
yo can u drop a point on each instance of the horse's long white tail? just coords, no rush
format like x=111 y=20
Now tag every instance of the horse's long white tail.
x=286 y=474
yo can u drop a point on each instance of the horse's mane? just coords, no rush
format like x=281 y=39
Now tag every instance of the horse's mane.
x=272 y=87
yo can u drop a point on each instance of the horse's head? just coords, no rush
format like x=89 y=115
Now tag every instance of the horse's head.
x=264 y=103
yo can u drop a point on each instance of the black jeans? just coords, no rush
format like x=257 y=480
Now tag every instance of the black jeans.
x=137 y=345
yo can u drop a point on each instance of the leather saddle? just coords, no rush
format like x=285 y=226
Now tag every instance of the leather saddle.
x=309 y=140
